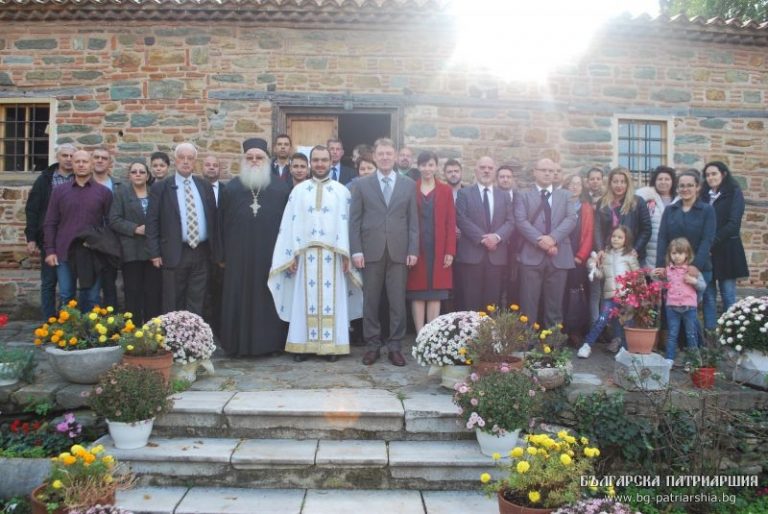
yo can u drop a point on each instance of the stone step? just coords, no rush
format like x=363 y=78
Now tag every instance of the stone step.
x=206 y=500
x=308 y=463
x=313 y=414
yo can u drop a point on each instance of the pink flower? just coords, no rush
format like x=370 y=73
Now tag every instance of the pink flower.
x=474 y=402
x=463 y=389
x=474 y=377
x=504 y=368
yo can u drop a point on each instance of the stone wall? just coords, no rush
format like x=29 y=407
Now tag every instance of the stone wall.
x=140 y=88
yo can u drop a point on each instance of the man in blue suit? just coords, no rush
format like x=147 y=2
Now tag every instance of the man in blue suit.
x=544 y=217
x=485 y=217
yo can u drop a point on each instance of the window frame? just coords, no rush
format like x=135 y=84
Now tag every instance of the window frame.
x=668 y=121
x=52 y=131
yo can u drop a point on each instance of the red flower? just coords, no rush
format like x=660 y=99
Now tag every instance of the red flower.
x=3 y=320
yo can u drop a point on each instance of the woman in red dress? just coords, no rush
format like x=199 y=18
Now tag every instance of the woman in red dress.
x=430 y=281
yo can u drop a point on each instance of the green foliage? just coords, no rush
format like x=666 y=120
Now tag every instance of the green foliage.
x=602 y=417
x=179 y=385
x=23 y=438
x=18 y=363
x=16 y=505
x=40 y=406
x=129 y=394
x=745 y=9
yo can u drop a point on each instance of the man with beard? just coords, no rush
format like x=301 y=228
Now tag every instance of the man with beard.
x=311 y=280
x=250 y=210
x=405 y=164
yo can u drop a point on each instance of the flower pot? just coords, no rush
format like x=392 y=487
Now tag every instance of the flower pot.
x=83 y=366
x=188 y=371
x=501 y=444
x=752 y=369
x=8 y=374
x=129 y=436
x=161 y=362
x=552 y=378
x=509 y=507
x=19 y=476
x=485 y=367
x=703 y=378
x=38 y=507
x=640 y=340
x=452 y=375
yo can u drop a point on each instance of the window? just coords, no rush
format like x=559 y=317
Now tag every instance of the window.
x=24 y=141
x=643 y=144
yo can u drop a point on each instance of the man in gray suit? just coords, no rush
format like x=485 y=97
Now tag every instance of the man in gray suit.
x=485 y=218
x=384 y=241
x=544 y=217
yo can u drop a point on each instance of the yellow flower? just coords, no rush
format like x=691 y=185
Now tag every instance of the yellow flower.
x=496 y=456
x=490 y=308
x=110 y=309
x=516 y=452
x=108 y=459
x=532 y=450
x=64 y=315
x=536 y=326
x=565 y=459
x=55 y=338
x=534 y=496
x=102 y=339
x=51 y=320
x=57 y=484
x=72 y=304
x=97 y=449
x=72 y=341
x=522 y=466
x=89 y=458
x=157 y=321
x=462 y=351
x=469 y=361
x=93 y=316
x=103 y=312
x=584 y=440
x=482 y=314
x=159 y=339
x=523 y=319
x=560 y=326
x=127 y=315
x=68 y=460
x=62 y=343
x=110 y=320
x=129 y=347
x=514 y=307
x=562 y=434
x=542 y=336
x=547 y=349
x=139 y=333
x=38 y=342
x=611 y=491
x=108 y=479
x=78 y=450
x=485 y=478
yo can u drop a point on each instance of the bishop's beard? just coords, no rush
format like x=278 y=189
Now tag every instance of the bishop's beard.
x=255 y=177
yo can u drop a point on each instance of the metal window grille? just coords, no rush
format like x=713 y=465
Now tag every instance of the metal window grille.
x=24 y=136
x=642 y=146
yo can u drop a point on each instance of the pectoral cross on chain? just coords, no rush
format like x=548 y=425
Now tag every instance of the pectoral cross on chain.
x=255 y=206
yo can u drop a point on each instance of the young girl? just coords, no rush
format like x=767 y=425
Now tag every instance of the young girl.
x=682 y=299
x=619 y=258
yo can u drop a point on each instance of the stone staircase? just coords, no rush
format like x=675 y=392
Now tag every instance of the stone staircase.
x=308 y=451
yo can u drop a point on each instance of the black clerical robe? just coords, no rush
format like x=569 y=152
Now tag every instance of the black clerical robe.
x=249 y=322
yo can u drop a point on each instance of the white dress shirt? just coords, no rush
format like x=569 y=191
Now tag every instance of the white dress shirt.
x=481 y=188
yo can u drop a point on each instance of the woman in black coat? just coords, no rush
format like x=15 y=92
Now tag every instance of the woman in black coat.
x=127 y=217
x=620 y=206
x=729 y=262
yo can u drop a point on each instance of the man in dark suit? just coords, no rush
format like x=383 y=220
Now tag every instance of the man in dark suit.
x=544 y=217
x=384 y=241
x=281 y=164
x=485 y=217
x=339 y=172
x=181 y=223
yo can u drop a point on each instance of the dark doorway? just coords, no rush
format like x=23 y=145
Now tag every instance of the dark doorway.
x=361 y=128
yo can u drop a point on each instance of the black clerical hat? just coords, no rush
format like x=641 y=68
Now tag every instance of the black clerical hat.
x=255 y=142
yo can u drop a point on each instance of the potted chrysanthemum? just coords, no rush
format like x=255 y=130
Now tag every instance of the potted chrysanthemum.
x=190 y=340
x=544 y=474
x=744 y=329
x=442 y=344
x=145 y=346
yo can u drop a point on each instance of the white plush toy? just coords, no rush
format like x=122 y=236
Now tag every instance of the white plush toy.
x=592 y=266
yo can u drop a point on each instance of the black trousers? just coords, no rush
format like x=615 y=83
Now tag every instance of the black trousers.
x=184 y=285
x=108 y=286
x=481 y=284
x=142 y=285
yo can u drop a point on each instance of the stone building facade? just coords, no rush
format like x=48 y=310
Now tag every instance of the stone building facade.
x=142 y=76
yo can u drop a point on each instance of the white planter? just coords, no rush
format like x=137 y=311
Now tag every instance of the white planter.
x=490 y=444
x=188 y=371
x=8 y=374
x=752 y=368
x=83 y=366
x=19 y=476
x=452 y=375
x=129 y=436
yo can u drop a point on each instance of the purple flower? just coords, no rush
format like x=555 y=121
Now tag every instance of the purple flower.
x=474 y=402
x=474 y=377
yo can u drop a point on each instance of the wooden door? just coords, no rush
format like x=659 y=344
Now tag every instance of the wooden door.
x=308 y=131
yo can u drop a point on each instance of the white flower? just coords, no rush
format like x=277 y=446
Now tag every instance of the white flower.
x=729 y=340
x=737 y=347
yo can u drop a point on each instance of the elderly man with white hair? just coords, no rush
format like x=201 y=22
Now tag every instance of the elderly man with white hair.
x=250 y=210
x=181 y=226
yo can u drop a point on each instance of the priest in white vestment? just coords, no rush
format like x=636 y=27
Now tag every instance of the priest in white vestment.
x=314 y=287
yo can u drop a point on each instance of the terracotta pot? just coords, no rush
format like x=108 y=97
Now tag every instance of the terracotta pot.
x=487 y=367
x=640 y=340
x=160 y=362
x=703 y=378
x=508 y=507
x=38 y=507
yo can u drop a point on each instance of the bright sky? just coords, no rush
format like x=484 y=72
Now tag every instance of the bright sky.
x=525 y=39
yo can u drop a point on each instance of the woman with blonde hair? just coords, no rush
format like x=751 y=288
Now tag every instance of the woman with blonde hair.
x=621 y=206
